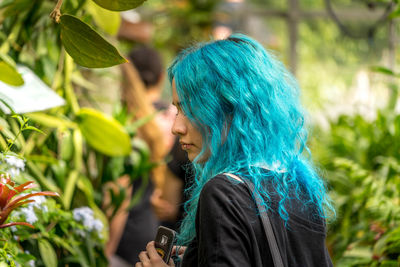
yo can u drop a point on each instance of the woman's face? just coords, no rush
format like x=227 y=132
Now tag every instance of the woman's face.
x=189 y=137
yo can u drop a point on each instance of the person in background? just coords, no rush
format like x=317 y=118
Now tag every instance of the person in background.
x=167 y=202
x=240 y=121
x=141 y=93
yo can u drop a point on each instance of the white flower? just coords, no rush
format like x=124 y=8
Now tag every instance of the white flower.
x=80 y=232
x=39 y=200
x=97 y=225
x=15 y=162
x=39 y=203
x=85 y=215
x=14 y=172
x=30 y=215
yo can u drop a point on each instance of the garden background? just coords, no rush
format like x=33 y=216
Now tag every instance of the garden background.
x=343 y=52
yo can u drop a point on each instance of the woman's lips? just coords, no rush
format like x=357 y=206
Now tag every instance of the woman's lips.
x=186 y=146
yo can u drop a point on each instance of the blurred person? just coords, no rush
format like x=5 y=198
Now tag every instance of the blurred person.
x=240 y=121
x=168 y=196
x=130 y=231
x=167 y=201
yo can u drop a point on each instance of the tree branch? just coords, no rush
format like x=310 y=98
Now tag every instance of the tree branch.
x=56 y=13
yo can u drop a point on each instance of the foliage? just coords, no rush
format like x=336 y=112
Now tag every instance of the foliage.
x=119 y=5
x=9 y=199
x=86 y=46
x=59 y=238
x=76 y=152
x=181 y=22
x=362 y=159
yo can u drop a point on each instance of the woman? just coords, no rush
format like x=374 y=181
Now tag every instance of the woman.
x=239 y=113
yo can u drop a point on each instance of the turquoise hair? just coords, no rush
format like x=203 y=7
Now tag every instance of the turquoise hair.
x=246 y=106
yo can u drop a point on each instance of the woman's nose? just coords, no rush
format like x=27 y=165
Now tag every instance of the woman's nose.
x=178 y=127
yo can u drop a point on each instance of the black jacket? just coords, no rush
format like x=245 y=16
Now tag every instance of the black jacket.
x=230 y=233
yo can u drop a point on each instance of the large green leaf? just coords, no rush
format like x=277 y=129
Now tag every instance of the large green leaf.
x=108 y=20
x=10 y=75
x=119 y=5
x=86 y=46
x=103 y=133
x=47 y=253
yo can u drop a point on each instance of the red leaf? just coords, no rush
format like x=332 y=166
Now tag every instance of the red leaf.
x=4 y=194
x=4 y=213
x=19 y=189
x=45 y=193
x=16 y=223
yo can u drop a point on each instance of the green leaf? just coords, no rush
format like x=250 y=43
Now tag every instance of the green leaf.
x=6 y=104
x=10 y=75
x=51 y=121
x=389 y=263
x=17 y=7
x=39 y=176
x=7 y=59
x=19 y=118
x=109 y=21
x=24 y=258
x=119 y=5
x=66 y=145
x=47 y=253
x=103 y=133
x=70 y=188
x=33 y=129
x=42 y=159
x=6 y=3
x=85 y=185
x=78 y=144
x=395 y=13
x=383 y=70
x=86 y=46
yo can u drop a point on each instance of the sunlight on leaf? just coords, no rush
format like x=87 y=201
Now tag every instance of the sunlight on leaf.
x=103 y=133
x=107 y=20
x=10 y=75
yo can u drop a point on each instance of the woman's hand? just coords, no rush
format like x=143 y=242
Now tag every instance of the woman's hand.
x=150 y=258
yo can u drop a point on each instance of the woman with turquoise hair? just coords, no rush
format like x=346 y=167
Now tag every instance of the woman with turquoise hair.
x=240 y=120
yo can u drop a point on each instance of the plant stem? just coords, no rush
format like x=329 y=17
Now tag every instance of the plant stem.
x=69 y=90
x=56 y=13
x=10 y=144
x=58 y=76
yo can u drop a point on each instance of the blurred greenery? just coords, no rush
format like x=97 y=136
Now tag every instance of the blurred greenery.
x=79 y=153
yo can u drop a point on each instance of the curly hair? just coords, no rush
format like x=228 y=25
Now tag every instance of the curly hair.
x=246 y=106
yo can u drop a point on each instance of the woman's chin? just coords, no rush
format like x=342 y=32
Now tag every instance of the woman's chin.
x=191 y=156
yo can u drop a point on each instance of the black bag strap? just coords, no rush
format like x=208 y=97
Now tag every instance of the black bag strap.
x=268 y=230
